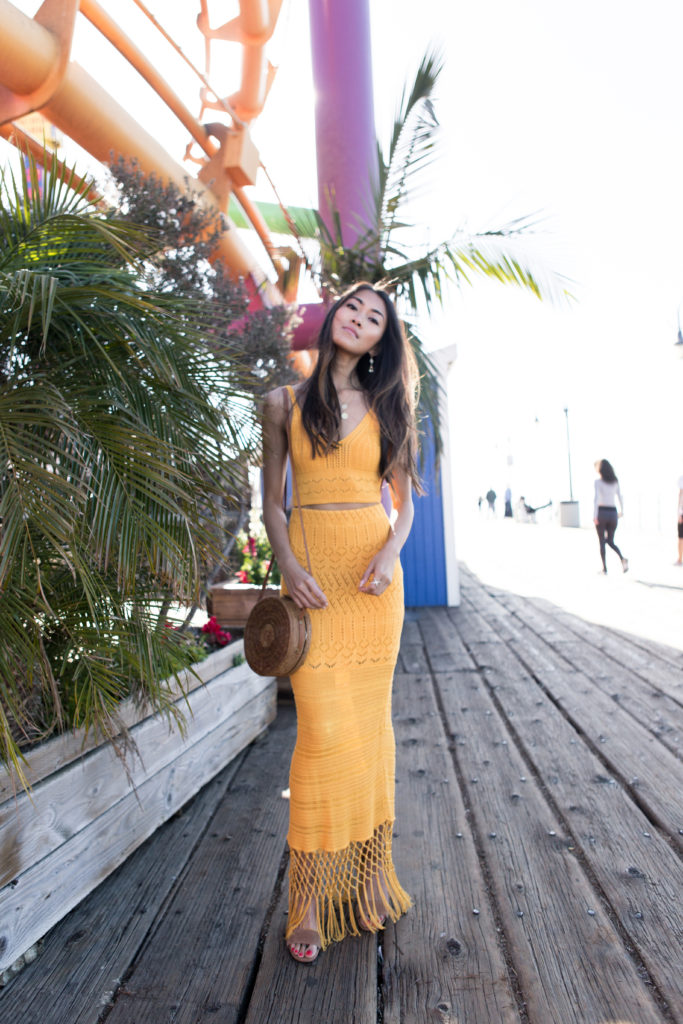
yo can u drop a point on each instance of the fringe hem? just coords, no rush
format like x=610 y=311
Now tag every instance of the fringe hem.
x=346 y=886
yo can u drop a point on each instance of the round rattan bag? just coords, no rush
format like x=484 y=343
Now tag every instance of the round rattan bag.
x=276 y=637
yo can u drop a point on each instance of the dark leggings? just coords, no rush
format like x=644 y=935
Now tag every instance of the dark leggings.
x=606 y=527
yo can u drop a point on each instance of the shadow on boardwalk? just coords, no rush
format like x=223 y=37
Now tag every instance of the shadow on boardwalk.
x=539 y=826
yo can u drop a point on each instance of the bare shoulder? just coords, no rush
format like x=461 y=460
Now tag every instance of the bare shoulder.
x=275 y=403
x=277 y=400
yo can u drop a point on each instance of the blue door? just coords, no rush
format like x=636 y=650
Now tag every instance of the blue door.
x=423 y=555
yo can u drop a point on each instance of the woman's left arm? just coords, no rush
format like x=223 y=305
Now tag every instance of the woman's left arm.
x=380 y=571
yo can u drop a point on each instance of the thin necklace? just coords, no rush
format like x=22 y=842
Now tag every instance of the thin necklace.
x=345 y=405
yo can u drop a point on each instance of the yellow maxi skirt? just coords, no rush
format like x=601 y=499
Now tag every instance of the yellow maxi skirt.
x=342 y=771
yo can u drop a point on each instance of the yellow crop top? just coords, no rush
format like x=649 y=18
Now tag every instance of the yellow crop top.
x=349 y=473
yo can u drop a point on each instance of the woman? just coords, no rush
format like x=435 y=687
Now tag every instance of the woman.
x=679 y=560
x=352 y=426
x=605 y=515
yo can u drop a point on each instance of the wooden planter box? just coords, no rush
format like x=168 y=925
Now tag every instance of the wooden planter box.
x=85 y=815
x=232 y=602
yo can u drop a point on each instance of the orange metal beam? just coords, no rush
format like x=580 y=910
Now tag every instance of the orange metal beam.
x=85 y=112
x=37 y=83
x=127 y=48
x=252 y=29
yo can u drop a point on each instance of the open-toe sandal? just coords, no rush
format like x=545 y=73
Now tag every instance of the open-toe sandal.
x=307 y=938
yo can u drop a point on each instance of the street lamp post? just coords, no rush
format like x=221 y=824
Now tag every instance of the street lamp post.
x=569 y=510
x=569 y=455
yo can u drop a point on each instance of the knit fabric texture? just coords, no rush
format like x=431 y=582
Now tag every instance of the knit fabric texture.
x=348 y=473
x=343 y=766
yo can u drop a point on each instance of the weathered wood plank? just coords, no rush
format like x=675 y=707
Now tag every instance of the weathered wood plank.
x=653 y=648
x=413 y=659
x=410 y=634
x=636 y=868
x=442 y=961
x=652 y=709
x=36 y=824
x=85 y=956
x=443 y=654
x=657 y=673
x=340 y=986
x=196 y=965
x=635 y=650
x=468 y=613
x=60 y=751
x=635 y=692
x=627 y=747
x=541 y=891
x=411 y=656
x=663 y=669
x=47 y=891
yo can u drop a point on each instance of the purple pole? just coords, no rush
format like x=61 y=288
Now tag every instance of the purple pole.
x=344 y=112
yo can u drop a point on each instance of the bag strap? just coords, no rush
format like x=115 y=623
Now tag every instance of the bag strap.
x=295 y=488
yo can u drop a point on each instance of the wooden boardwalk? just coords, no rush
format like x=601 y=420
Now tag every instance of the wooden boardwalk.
x=539 y=830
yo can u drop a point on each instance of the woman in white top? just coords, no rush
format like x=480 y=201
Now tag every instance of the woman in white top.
x=680 y=522
x=605 y=514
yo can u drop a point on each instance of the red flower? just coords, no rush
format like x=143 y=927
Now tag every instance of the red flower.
x=212 y=626
x=215 y=634
x=242 y=575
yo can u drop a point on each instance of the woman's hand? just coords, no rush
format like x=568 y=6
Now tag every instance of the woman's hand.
x=379 y=573
x=302 y=588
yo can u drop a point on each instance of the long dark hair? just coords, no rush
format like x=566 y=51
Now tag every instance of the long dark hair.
x=606 y=472
x=391 y=392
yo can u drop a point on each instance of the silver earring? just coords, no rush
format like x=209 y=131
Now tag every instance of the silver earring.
x=371 y=368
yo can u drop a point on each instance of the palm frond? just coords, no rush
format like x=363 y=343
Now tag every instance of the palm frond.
x=123 y=412
x=411 y=146
x=504 y=254
x=431 y=392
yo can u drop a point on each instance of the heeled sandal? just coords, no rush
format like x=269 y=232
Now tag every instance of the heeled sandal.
x=306 y=937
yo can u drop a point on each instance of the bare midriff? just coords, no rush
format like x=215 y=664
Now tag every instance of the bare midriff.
x=339 y=505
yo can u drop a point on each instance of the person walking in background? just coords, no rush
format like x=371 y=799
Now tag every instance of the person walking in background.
x=605 y=514
x=491 y=499
x=680 y=521
x=508 y=503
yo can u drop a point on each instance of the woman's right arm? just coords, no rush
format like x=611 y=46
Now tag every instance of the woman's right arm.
x=302 y=588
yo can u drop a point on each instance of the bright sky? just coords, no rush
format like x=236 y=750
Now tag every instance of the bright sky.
x=570 y=112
